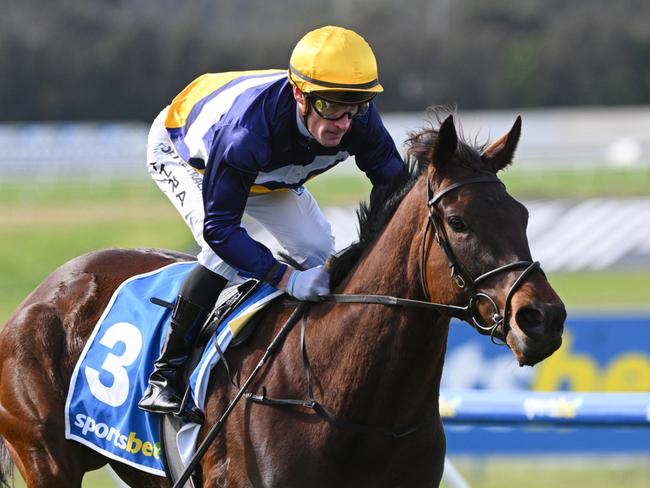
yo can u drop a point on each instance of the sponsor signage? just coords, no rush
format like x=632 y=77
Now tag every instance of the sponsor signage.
x=600 y=353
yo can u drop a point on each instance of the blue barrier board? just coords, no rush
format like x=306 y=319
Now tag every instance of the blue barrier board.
x=600 y=353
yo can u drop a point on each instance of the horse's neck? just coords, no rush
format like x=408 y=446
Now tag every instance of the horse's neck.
x=389 y=355
x=390 y=266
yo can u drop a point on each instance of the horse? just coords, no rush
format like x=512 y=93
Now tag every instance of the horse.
x=444 y=240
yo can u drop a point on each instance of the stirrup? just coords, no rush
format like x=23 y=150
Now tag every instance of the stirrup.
x=188 y=411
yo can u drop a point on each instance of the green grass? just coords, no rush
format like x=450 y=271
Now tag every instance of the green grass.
x=339 y=190
x=42 y=230
x=604 y=289
x=101 y=478
x=48 y=192
x=342 y=189
x=555 y=472
x=526 y=184
x=45 y=224
x=601 y=182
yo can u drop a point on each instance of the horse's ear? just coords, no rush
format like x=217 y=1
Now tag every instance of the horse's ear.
x=446 y=143
x=500 y=153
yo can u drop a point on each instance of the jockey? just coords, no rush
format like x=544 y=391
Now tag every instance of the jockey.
x=246 y=142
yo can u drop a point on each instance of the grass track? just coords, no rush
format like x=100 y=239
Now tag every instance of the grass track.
x=102 y=478
x=554 y=472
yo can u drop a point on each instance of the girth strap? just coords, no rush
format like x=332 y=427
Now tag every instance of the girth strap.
x=327 y=415
x=319 y=408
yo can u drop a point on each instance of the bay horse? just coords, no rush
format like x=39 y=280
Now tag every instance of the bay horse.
x=447 y=232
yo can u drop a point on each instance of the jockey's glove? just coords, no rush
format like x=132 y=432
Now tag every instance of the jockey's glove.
x=309 y=284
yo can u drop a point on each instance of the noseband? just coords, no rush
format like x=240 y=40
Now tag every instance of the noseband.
x=459 y=273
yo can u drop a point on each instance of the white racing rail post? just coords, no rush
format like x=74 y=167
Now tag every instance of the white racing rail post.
x=452 y=477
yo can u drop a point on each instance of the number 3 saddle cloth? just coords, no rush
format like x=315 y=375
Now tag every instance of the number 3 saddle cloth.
x=113 y=369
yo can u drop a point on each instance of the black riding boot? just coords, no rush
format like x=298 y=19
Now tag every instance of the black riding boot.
x=197 y=296
x=164 y=390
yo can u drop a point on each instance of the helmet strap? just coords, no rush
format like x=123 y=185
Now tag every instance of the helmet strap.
x=301 y=116
x=307 y=109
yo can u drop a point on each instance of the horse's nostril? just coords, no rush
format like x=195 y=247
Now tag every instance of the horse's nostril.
x=530 y=318
x=537 y=318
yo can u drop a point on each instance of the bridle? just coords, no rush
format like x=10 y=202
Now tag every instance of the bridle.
x=460 y=277
x=459 y=273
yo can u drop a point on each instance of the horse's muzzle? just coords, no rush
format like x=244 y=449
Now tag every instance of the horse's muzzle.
x=536 y=331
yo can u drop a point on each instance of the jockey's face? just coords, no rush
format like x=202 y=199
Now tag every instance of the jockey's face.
x=328 y=133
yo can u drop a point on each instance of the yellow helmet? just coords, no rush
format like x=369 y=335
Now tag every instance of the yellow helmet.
x=337 y=62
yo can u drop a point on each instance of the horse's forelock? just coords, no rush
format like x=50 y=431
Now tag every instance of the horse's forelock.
x=422 y=143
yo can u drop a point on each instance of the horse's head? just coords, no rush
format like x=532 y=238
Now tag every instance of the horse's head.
x=478 y=231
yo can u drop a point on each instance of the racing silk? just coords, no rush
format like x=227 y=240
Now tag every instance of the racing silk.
x=243 y=132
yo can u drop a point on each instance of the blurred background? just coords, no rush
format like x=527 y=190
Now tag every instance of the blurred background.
x=81 y=81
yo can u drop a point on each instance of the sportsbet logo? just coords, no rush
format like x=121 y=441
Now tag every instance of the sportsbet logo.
x=130 y=443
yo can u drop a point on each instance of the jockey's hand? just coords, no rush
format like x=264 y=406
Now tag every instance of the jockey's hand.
x=309 y=284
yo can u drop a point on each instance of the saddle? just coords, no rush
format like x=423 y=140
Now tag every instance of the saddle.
x=229 y=299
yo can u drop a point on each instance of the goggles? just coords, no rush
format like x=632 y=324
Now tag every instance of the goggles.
x=336 y=111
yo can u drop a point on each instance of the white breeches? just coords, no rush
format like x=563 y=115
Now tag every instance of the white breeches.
x=291 y=216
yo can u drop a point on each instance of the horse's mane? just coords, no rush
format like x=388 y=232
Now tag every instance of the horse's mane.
x=385 y=199
x=373 y=217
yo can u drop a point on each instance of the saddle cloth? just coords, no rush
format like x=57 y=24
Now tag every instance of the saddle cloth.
x=112 y=371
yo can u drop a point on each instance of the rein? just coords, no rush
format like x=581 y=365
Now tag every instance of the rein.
x=295 y=316
x=460 y=276
x=462 y=280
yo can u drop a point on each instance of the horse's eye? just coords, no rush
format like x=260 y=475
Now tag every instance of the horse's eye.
x=457 y=224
